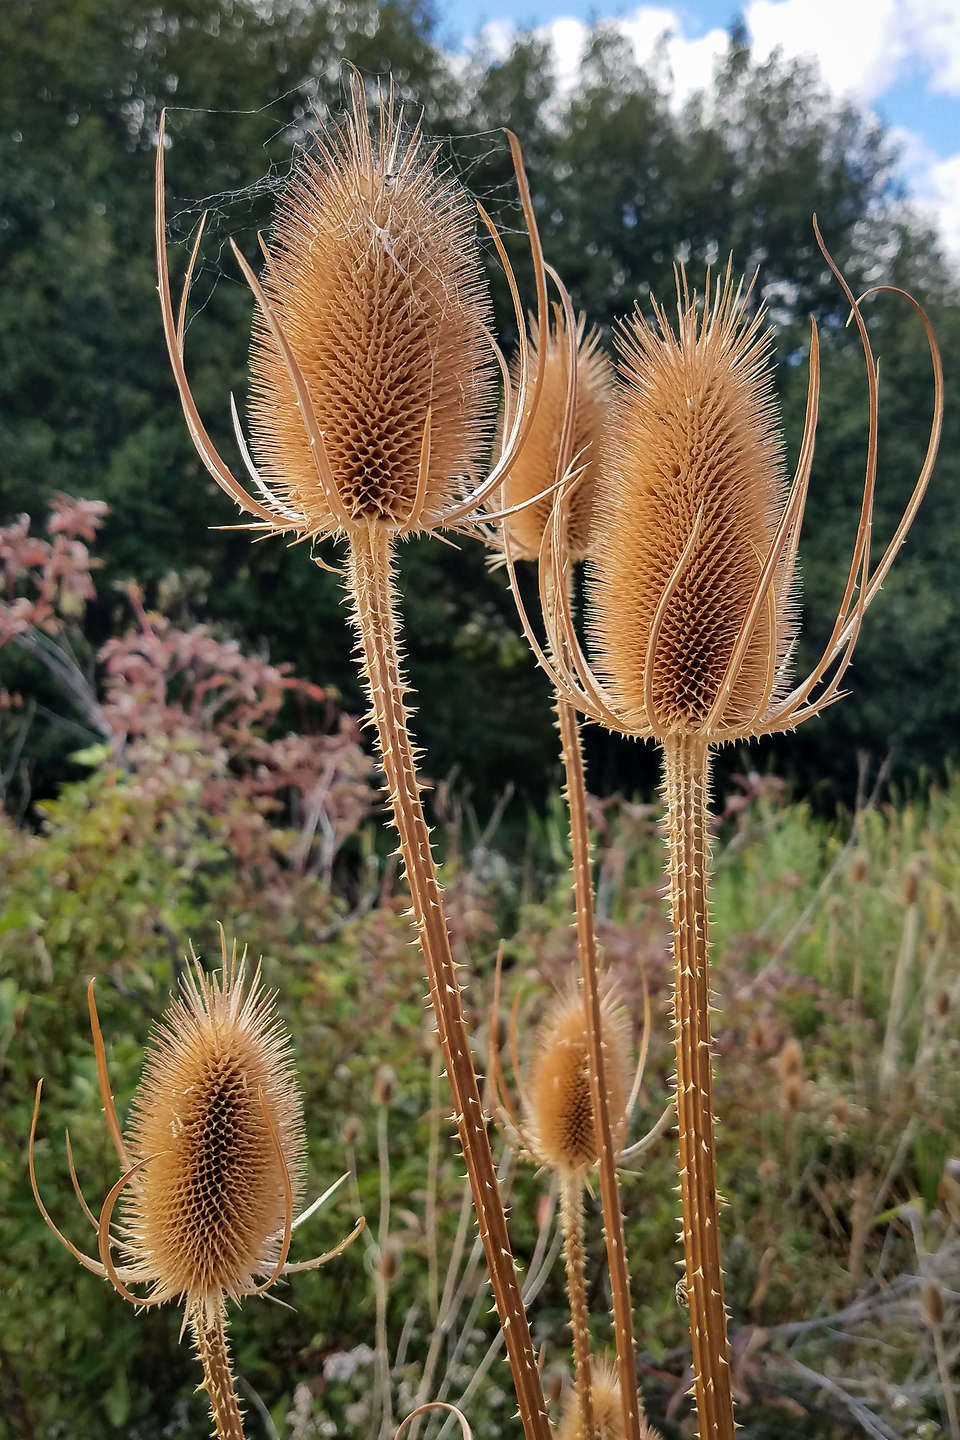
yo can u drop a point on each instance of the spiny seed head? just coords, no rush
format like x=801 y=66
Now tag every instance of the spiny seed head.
x=217 y=1103
x=535 y=470
x=686 y=509
x=791 y=1059
x=376 y=279
x=560 y=1108
x=607 y=1408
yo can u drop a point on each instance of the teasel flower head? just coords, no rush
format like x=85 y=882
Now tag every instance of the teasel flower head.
x=212 y=1159
x=607 y=1409
x=373 y=394
x=566 y=432
x=555 y=1123
x=691 y=594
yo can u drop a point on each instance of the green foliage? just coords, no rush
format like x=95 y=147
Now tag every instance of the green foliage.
x=122 y=871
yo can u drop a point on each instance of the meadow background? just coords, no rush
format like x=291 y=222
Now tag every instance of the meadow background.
x=180 y=737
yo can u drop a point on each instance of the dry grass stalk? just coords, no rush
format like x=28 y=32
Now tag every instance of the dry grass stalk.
x=372 y=395
x=212 y=1165
x=692 y=566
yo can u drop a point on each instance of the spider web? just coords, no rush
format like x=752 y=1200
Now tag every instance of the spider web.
x=468 y=156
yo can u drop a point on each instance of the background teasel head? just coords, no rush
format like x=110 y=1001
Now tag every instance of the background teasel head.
x=213 y=1157
x=556 y=427
x=557 y=1126
x=693 y=552
x=607 y=1409
x=373 y=394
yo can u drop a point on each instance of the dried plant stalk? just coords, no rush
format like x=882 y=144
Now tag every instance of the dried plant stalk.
x=373 y=390
x=692 y=566
x=211 y=1343
x=567 y=431
x=371 y=585
x=686 y=765
x=571 y=1221
x=575 y=790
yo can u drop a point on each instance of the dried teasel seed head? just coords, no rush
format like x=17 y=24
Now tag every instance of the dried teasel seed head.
x=559 y=1105
x=933 y=1305
x=686 y=509
x=859 y=867
x=535 y=470
x=390 y=1259
x=943 y=1004
x=790 y=1061
x=384 y=1085
x=219 y=1110
x=792 y=1092
x=351 y=1130
x=607 y=1408
x=911 y=879
x=376 y=280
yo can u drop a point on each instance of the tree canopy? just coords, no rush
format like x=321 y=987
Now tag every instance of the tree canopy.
x=625 y=184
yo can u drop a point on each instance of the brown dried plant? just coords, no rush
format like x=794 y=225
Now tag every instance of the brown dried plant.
x=566 y=439
x=557 y=1128
x=692 y=617
x=212 y=1163
x=372 y=394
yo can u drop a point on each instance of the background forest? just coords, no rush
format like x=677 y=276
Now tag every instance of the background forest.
x=178 y=741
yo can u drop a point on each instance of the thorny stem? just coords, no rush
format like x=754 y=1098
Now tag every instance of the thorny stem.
x=686 y=765
x=370 y=580
x=571 y=1223
x=589 y=966
x=210 y=1337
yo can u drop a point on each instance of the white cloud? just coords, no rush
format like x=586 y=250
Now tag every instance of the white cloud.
x=862 y=47
x=859 y=44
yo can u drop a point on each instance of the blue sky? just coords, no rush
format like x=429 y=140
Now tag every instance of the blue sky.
x=897 y=58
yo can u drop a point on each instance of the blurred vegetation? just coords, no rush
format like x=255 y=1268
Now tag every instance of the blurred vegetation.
x=838 y=1082
x=624 y=185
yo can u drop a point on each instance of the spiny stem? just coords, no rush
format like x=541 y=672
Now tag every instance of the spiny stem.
x=589 y=967
x=210 y=1338
x=370 y=579
x=571 y=1223
x=687 y=772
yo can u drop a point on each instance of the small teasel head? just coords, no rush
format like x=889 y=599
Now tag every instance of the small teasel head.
x=213 y=1155
x=559 y=1121
x=559 y=436
x=218 y=1124
x=687 y=507
x=607 y=1408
